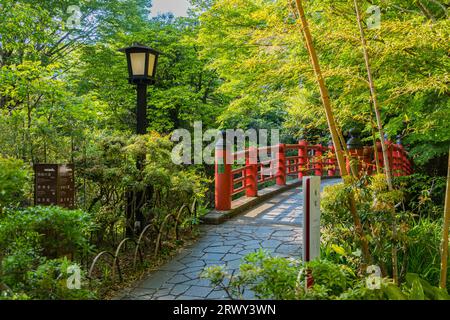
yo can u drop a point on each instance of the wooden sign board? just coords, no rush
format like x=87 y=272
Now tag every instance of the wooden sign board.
x=311 y=218
x=54 y=185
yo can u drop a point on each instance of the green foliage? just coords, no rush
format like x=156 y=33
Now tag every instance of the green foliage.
x=233 y=63
x=257 y=47
x=14 y=182
x=273 y=277
x=29 y=240
x=21 y=255
x=423 y=253
x=49 y=281
x=415 y=288
x=60 y=231
x=419 y=224
x=270 y=277
x=109 y=167
x=424 y=195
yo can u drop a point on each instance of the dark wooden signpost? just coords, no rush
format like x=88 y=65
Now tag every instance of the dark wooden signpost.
x=54 y=185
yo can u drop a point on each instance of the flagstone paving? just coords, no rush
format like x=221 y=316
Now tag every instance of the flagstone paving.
x=274 y=226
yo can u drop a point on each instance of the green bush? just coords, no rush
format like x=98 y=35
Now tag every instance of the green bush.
x=109 y=169
x=268 y=277
x=14 y=182
x=50 y=281
x=280 y=278
x=62 y=231
x=32 y=244
x=22 y=255
x=424 y=195
x=414 y=288
x=423 y=254
x=418 y=233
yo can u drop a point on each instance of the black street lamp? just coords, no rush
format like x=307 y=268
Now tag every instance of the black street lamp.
x=142 y=62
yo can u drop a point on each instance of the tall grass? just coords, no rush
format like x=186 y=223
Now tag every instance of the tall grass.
x=423 y=252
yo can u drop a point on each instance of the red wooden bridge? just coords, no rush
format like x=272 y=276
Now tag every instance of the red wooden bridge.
x=285 y=162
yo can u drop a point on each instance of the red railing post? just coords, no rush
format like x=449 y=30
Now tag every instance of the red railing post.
x=410 y=165
x=403 y=159
x=397 y=160
x=223 y=178
x=318 y=160
x=251 y=172
x=303 y=158
x=367 y=160
x=332 y=161
x=281 y=165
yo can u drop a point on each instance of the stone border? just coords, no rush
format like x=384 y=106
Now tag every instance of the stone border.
x=244 y=203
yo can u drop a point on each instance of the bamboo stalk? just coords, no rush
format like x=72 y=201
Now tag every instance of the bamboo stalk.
x=323 y=89
x=332 y=127
x=375 y=148
x=383 y=144
x=374 y=98
x=444 y=254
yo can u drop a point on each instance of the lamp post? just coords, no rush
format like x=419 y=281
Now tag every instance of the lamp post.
x=142 y=62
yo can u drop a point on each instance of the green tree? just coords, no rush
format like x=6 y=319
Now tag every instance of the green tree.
x=256 y=47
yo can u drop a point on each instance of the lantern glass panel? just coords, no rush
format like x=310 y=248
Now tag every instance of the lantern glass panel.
x=138 y=63
x=151 y=64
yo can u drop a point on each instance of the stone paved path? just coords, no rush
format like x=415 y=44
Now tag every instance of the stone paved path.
x=274 y=225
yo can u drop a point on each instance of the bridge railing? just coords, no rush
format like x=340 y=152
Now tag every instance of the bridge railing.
x=242 y=173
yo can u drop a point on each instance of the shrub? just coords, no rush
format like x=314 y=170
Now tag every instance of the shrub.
x=424 y=195
x=14 y=182
x=280 y=278
x=22 y=255
x=422 y=255
x=29 y=240
x=268 y=277
x=414 y=288
x=50 y=281
x=62 y=231
x=110 y=171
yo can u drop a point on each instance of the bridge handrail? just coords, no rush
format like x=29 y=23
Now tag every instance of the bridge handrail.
x=232 y=180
